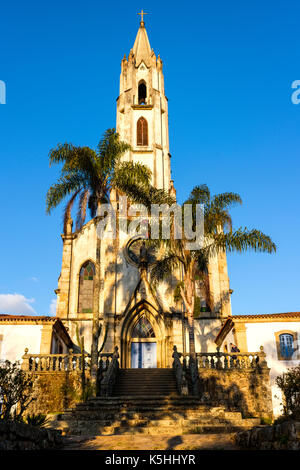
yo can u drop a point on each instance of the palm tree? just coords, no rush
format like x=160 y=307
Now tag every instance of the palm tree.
x=219 y=236
x=89 y=176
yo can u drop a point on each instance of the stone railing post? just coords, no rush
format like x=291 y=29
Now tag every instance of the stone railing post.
x=219 y=362
x=179 y=373
x=262 y=358
x=70 y=360
x=25 y=360
x=194 y=375
x=109 y=379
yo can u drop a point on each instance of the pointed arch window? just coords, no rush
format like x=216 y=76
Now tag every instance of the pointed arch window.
x=142 y=131
x=142 y=92
x=143 y=329
x=86 y=288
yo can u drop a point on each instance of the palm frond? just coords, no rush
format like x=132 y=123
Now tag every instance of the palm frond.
x=199 y=195
x=66 y=185
x=163 y=268
x=110 y=149
x=61 y=153
x=225 y=200
x=243 y=240
x=130 y=173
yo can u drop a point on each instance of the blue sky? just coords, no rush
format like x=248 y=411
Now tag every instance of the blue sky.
x=228 y=71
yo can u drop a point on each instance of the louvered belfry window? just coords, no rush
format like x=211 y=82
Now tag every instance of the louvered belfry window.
x=142 y=131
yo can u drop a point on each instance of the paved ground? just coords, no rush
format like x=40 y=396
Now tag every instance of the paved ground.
x=183 y=442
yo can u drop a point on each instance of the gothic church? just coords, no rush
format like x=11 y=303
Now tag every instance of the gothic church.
x=144 y=323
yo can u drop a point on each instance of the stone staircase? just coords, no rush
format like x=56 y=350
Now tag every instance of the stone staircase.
x=145 y=401
x=152 y=382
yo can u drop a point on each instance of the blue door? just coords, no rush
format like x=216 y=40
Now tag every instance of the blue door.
x=143 y=355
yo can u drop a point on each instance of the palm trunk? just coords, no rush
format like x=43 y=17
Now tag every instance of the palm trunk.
x=95 y=327
x=189 y=301
x=191 y=328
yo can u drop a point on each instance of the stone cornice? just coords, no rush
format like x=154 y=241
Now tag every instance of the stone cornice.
x=267 y=317
x=142 y=106
x=17 y=319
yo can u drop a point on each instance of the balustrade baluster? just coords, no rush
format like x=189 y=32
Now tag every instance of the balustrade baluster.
x=70 y=365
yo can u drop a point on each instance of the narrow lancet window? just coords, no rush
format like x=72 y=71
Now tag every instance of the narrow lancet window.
x=86 y=288
x=142 y=131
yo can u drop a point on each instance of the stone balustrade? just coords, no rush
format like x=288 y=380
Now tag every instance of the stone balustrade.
x=62 y=362
x=225 y=360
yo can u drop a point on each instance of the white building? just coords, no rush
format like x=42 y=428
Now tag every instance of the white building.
x=40 y=335
x=279 y=335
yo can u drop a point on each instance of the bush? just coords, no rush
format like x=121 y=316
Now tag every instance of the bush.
x=40 y=420
x=289 y=384
x=16 y=390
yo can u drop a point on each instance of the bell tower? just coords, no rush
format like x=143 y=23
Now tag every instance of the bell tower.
x=142 y=109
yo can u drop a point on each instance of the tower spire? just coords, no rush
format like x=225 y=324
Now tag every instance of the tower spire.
x=141 y=48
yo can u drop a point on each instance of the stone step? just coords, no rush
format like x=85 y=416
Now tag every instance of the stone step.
x=94 y=429
x=145 y=399
x=207 y=421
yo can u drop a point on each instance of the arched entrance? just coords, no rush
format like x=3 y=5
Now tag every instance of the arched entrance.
x=143 y=351
x=143 y=338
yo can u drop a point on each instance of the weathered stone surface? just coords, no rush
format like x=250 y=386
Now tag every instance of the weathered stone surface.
x=276 y=437
x=247 y=390
x=21 y=436
x=55 y=391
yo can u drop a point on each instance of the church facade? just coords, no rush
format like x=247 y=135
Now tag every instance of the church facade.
x=145 y=323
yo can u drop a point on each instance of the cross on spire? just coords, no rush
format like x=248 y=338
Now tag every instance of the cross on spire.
x=142 y=15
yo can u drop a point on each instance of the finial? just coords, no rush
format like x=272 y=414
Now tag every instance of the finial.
x=142 y=17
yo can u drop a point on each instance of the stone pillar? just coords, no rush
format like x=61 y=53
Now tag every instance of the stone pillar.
x=63 y=291
x=46 y=339
x=240 y=336
x=224 y=284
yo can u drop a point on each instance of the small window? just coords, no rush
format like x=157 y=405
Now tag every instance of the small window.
x=142 y=132
x=286 y=345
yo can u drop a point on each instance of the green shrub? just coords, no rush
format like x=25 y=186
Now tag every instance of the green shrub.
x=289 y=384
x=266 y=421
x=16 y=390
x=40 y=420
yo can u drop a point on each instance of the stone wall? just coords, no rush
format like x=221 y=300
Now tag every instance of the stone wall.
x=247 y=390
x=20 y=436
x=283 y=436
x=55 y=391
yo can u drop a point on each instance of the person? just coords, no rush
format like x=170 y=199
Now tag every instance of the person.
x=234 y=348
